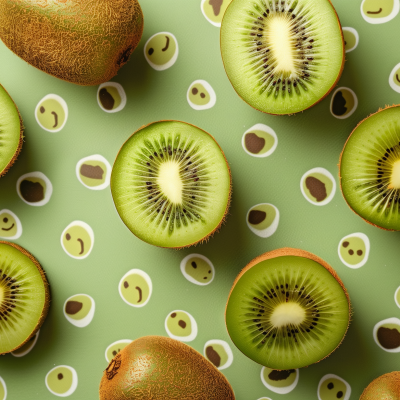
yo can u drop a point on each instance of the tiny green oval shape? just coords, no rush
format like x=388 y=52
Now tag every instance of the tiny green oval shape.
x=343 y=103
x=135 y=289
x=350 y=39
x=60 y=380
x=199 y=270
x=115 y=348
x=161 y=48
x=3 y=390
x=8 y=226
x=214 y=10
x=179 y=324
x=198 y=94
x=258 y=141
x=217 y=354
x=50 y=113
x=353 y=250
x=109 y=97
x=317 y=187
x=378 y=8
x=332 y=389
x=279 y=379
x=78 y=307
x=77 y=241
x=396 y=77
x=93 y=173
x=261 y=216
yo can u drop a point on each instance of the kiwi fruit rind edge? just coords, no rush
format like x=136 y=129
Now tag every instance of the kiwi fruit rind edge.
x=148 y=159
x=385 y=387
x=270 y=86
x=373 y=130
x=34 y=284
x=11 y=134
x=159 y=367
x=248 y=316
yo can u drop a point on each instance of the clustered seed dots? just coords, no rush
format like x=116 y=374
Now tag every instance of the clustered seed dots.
x=10 y=297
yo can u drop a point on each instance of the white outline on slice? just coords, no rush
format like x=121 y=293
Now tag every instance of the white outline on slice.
x=5 y=388
x=395 y=296
x=63 y=105
x=121 y=92
x=211 y=92
x=74 y=381
x=32 y=345
x=323 y=171
x=190 y=278
x=189 y=338
x=333 y=376
x=392 y=320
x=264 y=128
x=146 y=278
x=280 y=390
x=18 y=222
x=365 y=239
x=395 y=87
x=355 y=33
x=171 y=62
x=95 y=157
x=122 y=341
x=48 y=192
x=395 y=11
x=88 y=229
x=226 y=347
x=267 y=232
x=81 y=323
x=352 y=110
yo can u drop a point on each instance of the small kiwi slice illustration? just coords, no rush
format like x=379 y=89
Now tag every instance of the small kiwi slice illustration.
x=282 y=56
x=287 y=309
x=24 y=296
x=385 y=387
x=171 y=184
x=11 y=137
x=162 y=368
x=370 y=169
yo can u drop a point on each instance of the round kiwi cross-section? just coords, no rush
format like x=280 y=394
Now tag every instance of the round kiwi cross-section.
x=287 y=309
x=370 y=169
x=171 y=184
x=282 y=56
x=24 y=296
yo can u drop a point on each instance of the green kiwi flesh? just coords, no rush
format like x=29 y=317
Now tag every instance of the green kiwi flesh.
x=24 y=296
x=370 y=169
x=282 y=56
x=171 y=184
x=385 y=387
x=10 y=131
x=287 y=309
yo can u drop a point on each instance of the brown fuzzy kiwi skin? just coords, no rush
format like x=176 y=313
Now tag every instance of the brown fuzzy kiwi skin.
x=324 y=96
x=385 y=387
x=21 y=140
x=46 y=306
x=157 y=367
x=340 y=163
x=223 y=220
x=49 y=36
x=288 y=251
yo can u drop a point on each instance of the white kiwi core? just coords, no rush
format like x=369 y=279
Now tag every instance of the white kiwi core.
x=395 y=177
x=289 y=313
x=170 y=181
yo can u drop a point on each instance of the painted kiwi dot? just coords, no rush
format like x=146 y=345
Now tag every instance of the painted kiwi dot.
x=27 y=347
x=219 y=353
x=94 y=172
x=386 y=334
x=180 y=325
x=3 y=389
x=135 y=288
x=279 y=381
x=51 y=113
x=397 y=296
x=111 y=97
x=263 y=219
x=77 y=239
x=161 y=50
x=62 y=380
x=343 y=103
x=354 y=250
x=259 y=141
x=201 y=95
x=34 y=188
x=351 y=39
x=114 y=348
x=333 y=387
x=10 y=225
x=318 y=186
x=379 y=11
x=79 y=310
x=198 y=269
x=214 y=10
x=394 y=78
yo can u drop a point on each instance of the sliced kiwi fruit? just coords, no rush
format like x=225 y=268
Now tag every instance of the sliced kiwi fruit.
x=83 y=42
x=24 y=296
x=370 y=169
x=171 y=184
x=11 y=129
x=385 y=387
x=157 y=367
x=287 y=309
x=282 y=56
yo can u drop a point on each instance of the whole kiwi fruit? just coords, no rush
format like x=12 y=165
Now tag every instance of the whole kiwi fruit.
x=385 y=387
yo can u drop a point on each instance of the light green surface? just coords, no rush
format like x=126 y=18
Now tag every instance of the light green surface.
x=311 y=139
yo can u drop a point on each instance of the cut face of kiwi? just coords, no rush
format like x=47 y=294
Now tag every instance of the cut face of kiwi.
x=10 y=132
x=24 y=296
x=287 y=309
x=282 y=56
x=370 y=169
x=386 y=386
x=171 y=184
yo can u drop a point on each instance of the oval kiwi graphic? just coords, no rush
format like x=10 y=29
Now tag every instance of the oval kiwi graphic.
x=180 y=325
x=351 y=39
x=259 y=141
x=77 y=240
x=343 y=103
x=263 y=219
x=111 y=97
x=135 y=288
x=379 y=11
x=354 y=250
x=51 y=113
x=114 y=348
x=318 y=186
x=333 y=387
x=62 y=380
x=3 y=389
x=397 y=297
x=198 y=269
x=279 y=381
x=386 y=334
x=161 y=50
x=214 y=10
x=201 y=95
x=394 y=78
x=219 y=353
x=10 y=225
x=94 y=172
x=79 y=310
x=34 y=188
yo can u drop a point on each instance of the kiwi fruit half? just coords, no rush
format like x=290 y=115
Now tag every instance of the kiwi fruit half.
x=282 y=56
x=171 y=184
x=370 y=169
x=24 y=296
x=287 y=309
x=386 y=387
x=156 y=367
x=11 y=129
x=84 y=42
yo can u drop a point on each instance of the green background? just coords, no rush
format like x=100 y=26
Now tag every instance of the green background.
x=307 y=140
